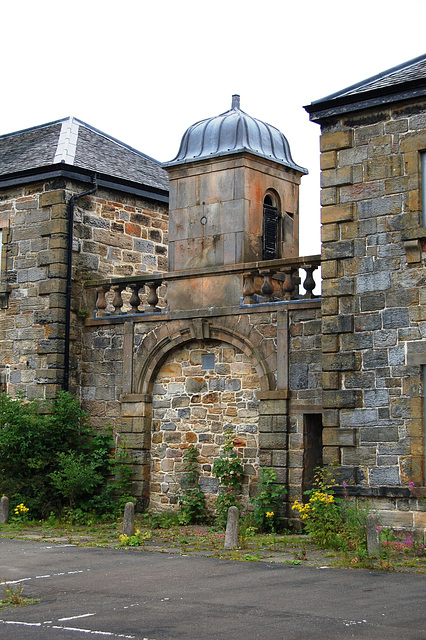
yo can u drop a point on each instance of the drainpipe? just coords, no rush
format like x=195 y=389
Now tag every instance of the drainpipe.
x=70 y=210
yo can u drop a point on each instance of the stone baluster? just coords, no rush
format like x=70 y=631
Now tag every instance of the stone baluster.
x=267 y=286
x=118 y=300
x=135 y=300
x=289 y=284
x=248 y=288
x=101 y=301
x=153 y=297
x=309 y=283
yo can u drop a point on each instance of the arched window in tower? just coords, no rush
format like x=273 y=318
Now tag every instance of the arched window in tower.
x=271 y=228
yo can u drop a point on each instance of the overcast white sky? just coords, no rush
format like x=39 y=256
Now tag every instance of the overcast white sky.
x=143 y=71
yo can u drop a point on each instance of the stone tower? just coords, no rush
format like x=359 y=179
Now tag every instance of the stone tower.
x=234 y=199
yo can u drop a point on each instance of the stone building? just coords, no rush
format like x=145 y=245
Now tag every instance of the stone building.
x=120 y=229
x=230 y=335
x=373 y=179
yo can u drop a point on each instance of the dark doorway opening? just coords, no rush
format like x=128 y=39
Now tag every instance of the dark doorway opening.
x=312 y=449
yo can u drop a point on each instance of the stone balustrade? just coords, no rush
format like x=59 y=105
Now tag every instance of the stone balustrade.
x=128 y=296
x=261 y=282
x=280 y=281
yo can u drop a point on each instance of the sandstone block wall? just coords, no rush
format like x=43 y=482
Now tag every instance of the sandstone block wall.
x=114 y=234
x=373 y=294
x=187 y=404
x=33 y=283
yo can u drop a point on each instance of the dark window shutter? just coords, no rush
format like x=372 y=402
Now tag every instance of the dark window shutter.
x=270 y=232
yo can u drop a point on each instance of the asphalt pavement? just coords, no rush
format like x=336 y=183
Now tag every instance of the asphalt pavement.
x=127 y=593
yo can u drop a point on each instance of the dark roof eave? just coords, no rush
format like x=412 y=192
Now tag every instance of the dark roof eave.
x=86 y=176
x=322 y=109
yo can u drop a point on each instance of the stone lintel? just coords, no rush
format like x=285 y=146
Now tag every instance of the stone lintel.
x=273 y=407
x=305 y=408
x=136 y=397
x=276 y=394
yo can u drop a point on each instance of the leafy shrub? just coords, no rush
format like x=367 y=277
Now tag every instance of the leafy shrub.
x=228 y=469
x=266 y=501
x=50 y=458
x=76 y=476
x=333 y=522
x=160 y=520
x=321 y=514
x=192 y=503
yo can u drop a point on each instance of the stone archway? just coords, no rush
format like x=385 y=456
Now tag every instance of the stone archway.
x=203 y=389
x=154 y=351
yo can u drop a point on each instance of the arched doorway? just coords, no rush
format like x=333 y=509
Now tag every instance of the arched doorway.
x=202 y=389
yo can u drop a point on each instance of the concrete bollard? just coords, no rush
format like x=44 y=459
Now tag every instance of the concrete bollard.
x=231 y=535
x=128 y=528
x=4 y=510
x=373 y=535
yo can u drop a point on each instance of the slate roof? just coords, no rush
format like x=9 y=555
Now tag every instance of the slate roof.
x=403 y=82
x=73 y=143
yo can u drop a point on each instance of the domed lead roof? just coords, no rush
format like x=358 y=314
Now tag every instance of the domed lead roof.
x=232 y=132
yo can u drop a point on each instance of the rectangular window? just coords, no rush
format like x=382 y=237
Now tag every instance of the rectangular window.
x=423 y=170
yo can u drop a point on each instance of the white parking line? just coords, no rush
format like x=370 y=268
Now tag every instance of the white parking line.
x=25 y=624
x=48 y=575
x=83 y=615
x=72 y=629
x=98 y=633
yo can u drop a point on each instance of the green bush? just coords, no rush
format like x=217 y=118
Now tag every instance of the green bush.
x=50 y=458
x=192 y=502
x=331 y=521
x=267 y=500
x=229 y=470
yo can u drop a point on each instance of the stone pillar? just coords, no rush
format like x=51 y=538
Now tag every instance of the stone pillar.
x=128 y=527
x=134 y=427
x=373 y=535
x=4 y=510
x=231 y=535
x=273 y=432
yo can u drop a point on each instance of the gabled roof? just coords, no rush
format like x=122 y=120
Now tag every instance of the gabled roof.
x=75 y=145
x=403 y=82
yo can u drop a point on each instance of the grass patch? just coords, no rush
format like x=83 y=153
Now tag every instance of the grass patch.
x=11 y=595
x=165 y=535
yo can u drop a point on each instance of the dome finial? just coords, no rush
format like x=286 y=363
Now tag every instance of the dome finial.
x=235 y=101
